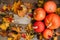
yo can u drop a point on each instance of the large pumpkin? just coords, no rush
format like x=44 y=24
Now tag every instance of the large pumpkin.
x=50 y=6
x=52 y=21
x=39 y=14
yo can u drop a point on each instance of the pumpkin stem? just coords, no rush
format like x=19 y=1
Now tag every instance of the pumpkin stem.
x=35 y=27
x=49 y=25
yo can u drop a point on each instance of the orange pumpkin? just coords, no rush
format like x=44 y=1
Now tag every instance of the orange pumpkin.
x=47 y=33
x=39 y=14
x=52 y=21
x=59 y=18
x=50 y=6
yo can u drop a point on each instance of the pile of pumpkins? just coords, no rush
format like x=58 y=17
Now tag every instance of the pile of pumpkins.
x=46 y=19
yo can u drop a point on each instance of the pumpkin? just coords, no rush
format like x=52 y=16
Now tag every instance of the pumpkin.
x=50 y=6
x=52 y=21
x=59 y=18
x=38 y=26
x=39 y=14
x=47 y=34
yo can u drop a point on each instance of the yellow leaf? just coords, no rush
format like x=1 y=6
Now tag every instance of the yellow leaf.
x=9 y=38
x=4 y=26
x=4 y=7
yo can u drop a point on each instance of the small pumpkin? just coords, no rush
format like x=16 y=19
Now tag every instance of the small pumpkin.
x=38 y=26
x=47 y=34
x=50 y=6
x=39 y=14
